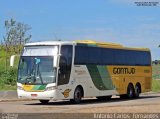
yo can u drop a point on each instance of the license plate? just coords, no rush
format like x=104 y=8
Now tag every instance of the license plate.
x=34 y=95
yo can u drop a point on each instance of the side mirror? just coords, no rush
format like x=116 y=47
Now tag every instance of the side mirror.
x=56 y=58
x=12 y=60
x=55 y=61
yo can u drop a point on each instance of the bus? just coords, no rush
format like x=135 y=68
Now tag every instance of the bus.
x=61 y=70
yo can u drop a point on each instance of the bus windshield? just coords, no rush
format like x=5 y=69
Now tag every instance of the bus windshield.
x=36 y=70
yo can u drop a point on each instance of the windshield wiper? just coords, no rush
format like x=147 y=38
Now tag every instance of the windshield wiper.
x=34 y=74
x=40 y=74
x=30 y=76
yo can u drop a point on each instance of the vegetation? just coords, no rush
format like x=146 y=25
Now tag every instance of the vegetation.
x=16 y=35
x=8 y=79
x=7 y=74
x=156 y=85
x=156 y=76
x=156 y=71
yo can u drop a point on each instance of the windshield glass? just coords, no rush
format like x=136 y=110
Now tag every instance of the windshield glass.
x=36 y=70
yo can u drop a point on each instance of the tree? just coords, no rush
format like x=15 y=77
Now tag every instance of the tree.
x=16 y=35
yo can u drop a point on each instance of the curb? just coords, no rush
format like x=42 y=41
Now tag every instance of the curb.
x=4 y=95
x=9 y=96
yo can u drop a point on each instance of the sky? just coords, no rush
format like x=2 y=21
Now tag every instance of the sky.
x=117 y=21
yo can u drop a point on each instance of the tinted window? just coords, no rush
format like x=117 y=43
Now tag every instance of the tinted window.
x=94 y=55
x=65 y=64
x=107 y=56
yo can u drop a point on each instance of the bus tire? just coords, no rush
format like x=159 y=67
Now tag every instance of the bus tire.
x=77 y=96
x=44 y=101
x=137 y=90
x=130 y=91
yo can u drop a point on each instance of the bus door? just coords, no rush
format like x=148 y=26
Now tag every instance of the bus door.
x=64 y=72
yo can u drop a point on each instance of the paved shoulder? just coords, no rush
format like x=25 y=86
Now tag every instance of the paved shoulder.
x=8 y=95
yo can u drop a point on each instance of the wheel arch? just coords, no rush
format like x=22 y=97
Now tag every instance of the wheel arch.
x=80 y=86
x=130 y=83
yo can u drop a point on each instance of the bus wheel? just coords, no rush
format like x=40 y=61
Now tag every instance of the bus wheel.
x=130 y=91
x=77 y=96
x=44 y=101
x=137 y=91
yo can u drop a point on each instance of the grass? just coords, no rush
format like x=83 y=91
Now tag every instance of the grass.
x=7 y=87
x=156 y=75
x=156 y=85
x=155 y=71
x=7 y=77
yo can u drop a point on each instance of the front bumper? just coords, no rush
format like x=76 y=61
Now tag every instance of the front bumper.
x=46 y=95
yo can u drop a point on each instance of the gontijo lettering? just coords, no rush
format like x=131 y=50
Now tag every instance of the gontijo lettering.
x=119 y=70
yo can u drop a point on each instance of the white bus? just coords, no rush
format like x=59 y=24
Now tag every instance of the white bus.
x=54 y=70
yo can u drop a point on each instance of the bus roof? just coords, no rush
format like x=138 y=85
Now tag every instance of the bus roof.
x=108 y=45
x=45 y=43
x=87 y=43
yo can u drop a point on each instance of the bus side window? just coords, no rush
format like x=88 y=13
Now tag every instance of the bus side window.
x=65 y=64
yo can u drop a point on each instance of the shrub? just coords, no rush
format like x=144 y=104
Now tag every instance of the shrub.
x=9 y=77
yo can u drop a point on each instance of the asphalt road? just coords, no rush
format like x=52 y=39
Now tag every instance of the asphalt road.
x=149 y=103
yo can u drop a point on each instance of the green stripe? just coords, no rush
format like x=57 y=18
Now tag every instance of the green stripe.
x=105 y=76
x=100 y=77
x=36 y=87
x=42 y=87
x=96 y=78
x=39 y=87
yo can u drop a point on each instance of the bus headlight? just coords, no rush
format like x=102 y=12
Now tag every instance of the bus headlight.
x=20 y=88
x=50 y=88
